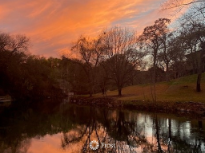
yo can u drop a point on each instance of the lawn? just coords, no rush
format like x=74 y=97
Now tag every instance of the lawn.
x=181 y=89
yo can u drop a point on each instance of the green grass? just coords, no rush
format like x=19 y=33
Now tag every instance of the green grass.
x=182 y=89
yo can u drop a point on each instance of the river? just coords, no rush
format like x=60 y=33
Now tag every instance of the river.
x=75 y=129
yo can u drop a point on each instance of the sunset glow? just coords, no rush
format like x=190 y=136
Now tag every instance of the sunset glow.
x=53 y=25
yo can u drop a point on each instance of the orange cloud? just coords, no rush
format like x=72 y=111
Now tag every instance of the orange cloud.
x=52 y=25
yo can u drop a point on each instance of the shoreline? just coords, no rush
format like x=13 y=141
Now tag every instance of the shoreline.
x=196 y=109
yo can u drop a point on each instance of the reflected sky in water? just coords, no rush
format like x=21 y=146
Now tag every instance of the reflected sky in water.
x=70 y=129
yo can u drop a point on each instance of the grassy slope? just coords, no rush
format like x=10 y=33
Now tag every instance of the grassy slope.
x=181 y=89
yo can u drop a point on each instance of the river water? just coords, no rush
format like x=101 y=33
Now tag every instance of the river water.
x=74 y=129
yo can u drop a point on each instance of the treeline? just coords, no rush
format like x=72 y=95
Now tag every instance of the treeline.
x=116 y=58
x=25 y=76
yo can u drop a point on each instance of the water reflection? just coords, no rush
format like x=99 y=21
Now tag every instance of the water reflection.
x=71 y=129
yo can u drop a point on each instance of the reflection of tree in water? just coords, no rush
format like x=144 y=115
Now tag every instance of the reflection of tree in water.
x=124 y=129
x=119 y=131
x=90 y=128
x=128 y=131
x=18 y=124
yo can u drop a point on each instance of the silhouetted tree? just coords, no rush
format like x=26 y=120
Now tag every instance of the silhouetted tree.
x=152 y=39
x=121 y=56
x=90 y=51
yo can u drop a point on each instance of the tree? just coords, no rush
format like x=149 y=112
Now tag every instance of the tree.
x=4 y=41
x=179 y=3
x=72 y=71
x=193 y=31
x=121 y=56
x=196 y=7
x=103 y=76
x=166 y=54
x=26 y=76
x=177 y=56
x=119 y=70
x=12 y=56
x=91 y=51
x=152 y=39
x=194 y=38
x=116 y=46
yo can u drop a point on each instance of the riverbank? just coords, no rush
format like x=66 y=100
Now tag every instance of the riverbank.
x=196 y=109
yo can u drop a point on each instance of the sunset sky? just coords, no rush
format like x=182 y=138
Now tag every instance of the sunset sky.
x=53 y=25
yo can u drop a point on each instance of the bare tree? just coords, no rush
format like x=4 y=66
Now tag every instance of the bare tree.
x=166 y=53
x=13 y=43
x=91 y=51
x=152 y=39
x=122 y=56
x=4 y=41
x=169 y=4
x=114 y=53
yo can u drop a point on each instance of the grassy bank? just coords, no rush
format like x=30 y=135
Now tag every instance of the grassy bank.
x=178 y=90
x=176 y=96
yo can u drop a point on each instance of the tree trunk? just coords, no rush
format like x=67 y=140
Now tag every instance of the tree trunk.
x=154 y=79
x=119 y=92
x=154 y=73
x=167 y=72
x=198 y=84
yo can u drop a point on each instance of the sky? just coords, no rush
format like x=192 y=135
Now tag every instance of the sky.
x=54 y=25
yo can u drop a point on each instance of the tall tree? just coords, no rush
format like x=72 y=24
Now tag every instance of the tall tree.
x=12 y=48
x=166 y=54
x=152 y=38
x=121 y=56
x=177 y=53
x=90 y=51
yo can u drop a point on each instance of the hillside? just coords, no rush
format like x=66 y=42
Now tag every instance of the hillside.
x=181 y=89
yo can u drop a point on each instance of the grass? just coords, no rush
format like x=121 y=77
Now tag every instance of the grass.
x=182 y=89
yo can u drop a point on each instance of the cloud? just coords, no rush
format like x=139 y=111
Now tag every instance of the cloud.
x=53 y=25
